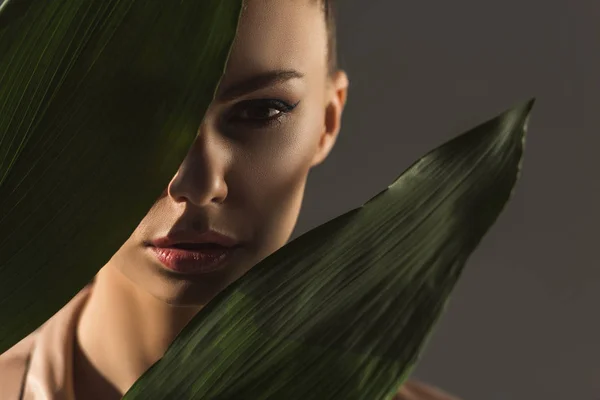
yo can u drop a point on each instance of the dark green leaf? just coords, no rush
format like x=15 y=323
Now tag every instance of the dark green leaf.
x=343 y=311
x=100 y=100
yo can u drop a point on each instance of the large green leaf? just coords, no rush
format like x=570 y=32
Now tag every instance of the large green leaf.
x=343 y=311
x=100 y=100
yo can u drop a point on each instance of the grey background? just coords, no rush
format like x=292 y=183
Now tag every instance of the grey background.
x=523 y=323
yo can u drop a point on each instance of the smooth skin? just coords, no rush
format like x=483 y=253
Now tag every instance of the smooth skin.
x=244 y=176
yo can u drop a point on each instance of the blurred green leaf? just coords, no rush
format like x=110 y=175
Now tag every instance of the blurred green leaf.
x=100 y=100
x=343 y=311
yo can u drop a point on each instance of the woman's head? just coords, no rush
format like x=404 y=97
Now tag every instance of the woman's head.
x=276 y=114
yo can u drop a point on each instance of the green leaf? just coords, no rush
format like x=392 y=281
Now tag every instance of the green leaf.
x=343 y=311
x=100 y=101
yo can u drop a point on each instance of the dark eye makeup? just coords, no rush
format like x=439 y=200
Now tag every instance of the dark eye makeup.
x=259 y=112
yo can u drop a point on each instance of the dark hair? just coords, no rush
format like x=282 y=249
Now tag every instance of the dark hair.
x=330 y=20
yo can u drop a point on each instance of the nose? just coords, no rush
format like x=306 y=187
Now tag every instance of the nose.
x=200 y=179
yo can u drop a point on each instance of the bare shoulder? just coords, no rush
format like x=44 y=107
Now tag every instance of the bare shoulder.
x=414 y=390
x=13 y=365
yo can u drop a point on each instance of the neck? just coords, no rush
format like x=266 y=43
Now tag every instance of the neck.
x=122 y=331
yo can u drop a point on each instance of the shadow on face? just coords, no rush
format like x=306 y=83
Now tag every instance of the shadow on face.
x=276 y=114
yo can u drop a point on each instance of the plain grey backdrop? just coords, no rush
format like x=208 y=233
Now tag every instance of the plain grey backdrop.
x=524 y=321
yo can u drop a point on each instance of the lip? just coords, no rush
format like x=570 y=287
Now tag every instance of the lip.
x=192 y=261
x=209 y=236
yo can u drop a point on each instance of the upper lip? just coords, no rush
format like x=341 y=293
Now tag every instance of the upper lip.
x=179 y=237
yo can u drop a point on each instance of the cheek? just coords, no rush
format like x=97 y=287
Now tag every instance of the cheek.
x=270 y=173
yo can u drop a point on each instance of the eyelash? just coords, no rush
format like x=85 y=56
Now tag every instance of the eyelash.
x=281 y=106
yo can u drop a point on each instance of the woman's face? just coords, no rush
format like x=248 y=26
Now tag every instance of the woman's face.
x=276 y=114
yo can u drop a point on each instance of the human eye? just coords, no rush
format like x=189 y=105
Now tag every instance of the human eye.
x=259 y=112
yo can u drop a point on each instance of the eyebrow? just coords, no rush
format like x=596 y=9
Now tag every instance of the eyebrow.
x=257 y=82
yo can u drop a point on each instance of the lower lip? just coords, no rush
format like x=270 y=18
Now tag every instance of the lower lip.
x=191 y=261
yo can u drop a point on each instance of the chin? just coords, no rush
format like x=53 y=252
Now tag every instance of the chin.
x=151 y=277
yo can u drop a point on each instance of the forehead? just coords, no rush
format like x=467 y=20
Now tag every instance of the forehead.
x=278 y=34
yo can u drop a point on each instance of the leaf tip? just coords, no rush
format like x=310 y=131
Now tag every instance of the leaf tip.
x=528 y=106
x=524 y=109
x=517 y=118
